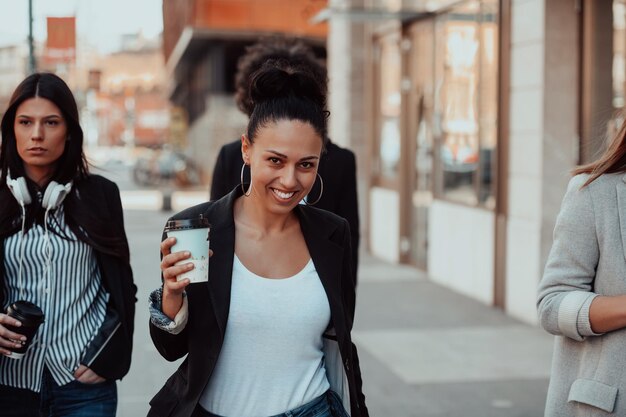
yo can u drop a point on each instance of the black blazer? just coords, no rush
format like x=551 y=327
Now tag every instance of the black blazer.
x=109 y=354
x=328 y=241
x=337 y=168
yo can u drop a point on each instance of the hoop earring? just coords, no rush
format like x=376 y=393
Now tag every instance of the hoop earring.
x=321 y=192
x=245 y=193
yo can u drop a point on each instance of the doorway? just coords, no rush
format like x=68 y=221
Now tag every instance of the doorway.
x=420 y=132
x=603 y=75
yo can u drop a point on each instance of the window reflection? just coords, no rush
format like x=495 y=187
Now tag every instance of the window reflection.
x=389 y=73
x=488 y=98
x=466 y=101
x=619 y=65
x=619 y=26
x=420 y=130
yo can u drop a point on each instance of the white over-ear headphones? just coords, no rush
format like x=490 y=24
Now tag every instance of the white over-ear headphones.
x=52 y=198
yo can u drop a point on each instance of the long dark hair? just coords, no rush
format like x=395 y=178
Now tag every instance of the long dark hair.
x=613 y=160
x=71 y=166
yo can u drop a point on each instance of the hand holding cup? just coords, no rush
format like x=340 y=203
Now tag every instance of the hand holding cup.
x=189 y=239
x=192 y=238
x=18 y=327
x=172 y=268
x=10 y=340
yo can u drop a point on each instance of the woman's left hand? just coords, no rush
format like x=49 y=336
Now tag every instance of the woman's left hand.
x=87 y=376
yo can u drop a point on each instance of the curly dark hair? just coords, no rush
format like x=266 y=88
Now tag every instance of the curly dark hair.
x=280 y=94
x=294 y=52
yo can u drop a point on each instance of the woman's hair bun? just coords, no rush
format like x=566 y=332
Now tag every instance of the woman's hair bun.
x=271 y=82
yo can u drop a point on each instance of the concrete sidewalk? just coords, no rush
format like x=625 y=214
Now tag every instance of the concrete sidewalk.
x=425 y=350
x=428 y=351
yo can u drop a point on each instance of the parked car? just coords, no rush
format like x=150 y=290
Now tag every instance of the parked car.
x=166 y=167
x=459 y=164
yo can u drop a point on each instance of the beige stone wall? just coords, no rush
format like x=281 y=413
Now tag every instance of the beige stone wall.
x=220 y=124
x=543 y=139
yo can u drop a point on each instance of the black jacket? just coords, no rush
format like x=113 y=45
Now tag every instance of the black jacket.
x=109 y=354
x=338 y=171
x=328 y=241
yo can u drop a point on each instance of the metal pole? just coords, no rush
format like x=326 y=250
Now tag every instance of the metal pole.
x=32 y=64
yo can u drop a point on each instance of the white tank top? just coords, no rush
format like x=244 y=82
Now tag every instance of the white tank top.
x=271 y=360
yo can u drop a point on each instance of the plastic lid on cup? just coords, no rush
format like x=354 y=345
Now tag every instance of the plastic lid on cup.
x=199 y=222
x=26 y=312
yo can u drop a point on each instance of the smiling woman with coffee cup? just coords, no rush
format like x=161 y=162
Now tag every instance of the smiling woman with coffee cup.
x=65 y=280
x=269 y=333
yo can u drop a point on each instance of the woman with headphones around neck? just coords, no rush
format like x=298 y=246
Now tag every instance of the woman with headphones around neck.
x=269 y=333
x=62 y=247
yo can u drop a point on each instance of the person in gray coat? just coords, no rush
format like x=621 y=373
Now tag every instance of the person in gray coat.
x=582 y=295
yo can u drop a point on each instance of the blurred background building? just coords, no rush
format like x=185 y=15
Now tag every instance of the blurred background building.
x=466 y=116
x=202 y=42
x=128 y=93
x=469 y=117
x=121 y=94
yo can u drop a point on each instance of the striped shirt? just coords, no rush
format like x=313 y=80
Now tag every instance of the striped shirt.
x=71 y=296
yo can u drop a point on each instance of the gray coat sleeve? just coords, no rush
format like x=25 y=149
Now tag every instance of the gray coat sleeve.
x=566 y=289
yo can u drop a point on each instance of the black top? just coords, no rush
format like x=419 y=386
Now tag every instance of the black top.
x=327 y=239
x=337 y=168
x=109 y=353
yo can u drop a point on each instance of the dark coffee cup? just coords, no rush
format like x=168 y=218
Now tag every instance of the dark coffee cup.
x=31 y=317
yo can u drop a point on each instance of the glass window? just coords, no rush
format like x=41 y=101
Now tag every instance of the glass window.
x=619 y=64
x=619 y=52
x=488 y=98
x=388 y=76
x=602 y=71
x=420 y=135
x=466 y=102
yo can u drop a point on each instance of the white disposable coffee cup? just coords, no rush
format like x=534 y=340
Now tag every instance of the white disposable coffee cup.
x=192 y=235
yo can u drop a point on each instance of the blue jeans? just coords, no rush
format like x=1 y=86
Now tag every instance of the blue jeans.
x=326 y=405
x=71 y=400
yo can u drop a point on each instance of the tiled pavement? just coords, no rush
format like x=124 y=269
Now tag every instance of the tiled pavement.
x=425 y=350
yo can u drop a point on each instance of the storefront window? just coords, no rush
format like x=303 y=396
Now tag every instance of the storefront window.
x=619 y=64
x=466 y=102
x=488 y=98
x=619 y=52
x=388 y=108
x=603 y=70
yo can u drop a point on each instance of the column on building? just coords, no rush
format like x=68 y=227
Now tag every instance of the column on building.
x=543 y=138
x=347 y=54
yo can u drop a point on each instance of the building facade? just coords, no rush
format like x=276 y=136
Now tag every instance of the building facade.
x=203 y=40
x=13 y=64
x=467 y=118
x=126 y=97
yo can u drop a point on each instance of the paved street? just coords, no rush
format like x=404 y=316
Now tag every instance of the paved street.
x=425 y=351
